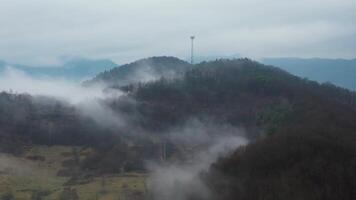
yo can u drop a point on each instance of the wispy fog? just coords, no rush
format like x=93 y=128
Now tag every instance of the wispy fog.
x=201 y=141
x=180 y=180
x=17 y=81
x=86 y=99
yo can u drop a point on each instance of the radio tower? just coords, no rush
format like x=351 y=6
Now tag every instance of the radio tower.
x=192 y=50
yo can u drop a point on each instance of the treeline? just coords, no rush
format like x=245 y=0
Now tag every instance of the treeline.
x=27 y=120
x=43 y=120
x=141 y=70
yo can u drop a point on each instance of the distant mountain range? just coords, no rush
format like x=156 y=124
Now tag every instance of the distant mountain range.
x=341 y=72
x=72 y=68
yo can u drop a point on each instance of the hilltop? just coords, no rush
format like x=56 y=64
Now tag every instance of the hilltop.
x=143 y=70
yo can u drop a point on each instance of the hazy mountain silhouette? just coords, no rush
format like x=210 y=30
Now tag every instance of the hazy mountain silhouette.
x=70 y=68
x=340 y=72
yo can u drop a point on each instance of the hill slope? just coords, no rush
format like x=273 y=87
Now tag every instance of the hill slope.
x=306 y=165
x=238 y=92
x=305 y=146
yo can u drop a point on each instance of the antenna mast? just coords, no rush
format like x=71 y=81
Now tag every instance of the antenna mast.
x=192 y=50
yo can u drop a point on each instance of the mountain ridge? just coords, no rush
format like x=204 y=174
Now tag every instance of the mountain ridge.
x=70 y=68
x=142 y=70
x=341 y=72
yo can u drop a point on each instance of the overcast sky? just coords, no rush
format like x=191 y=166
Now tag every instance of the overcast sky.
x=40 y=31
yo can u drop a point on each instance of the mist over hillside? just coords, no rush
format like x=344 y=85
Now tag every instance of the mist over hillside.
x=341 y=72
x=177 y=100
x=187 y=128
x=143 y=70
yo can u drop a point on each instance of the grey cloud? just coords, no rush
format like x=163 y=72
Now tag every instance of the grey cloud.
x=38 y=31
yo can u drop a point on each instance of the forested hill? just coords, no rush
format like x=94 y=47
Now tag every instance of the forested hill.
x=262 y=99
x=307 y=149
x=302 y=133
x=142 y=71
x=240 y=92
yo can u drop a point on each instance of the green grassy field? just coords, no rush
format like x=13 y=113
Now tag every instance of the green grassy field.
x=34 y=176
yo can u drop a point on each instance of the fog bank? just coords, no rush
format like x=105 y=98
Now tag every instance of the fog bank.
x=180 y=180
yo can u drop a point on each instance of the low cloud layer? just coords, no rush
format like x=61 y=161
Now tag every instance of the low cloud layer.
x=19 y=82
x=39 y=31
x=86 y=99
